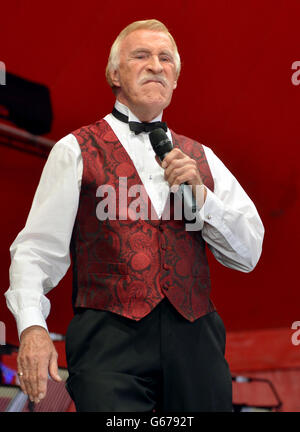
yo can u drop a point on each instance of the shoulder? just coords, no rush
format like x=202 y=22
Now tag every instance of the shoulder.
x=91 y=128
x=67 y=143
x=99 y=130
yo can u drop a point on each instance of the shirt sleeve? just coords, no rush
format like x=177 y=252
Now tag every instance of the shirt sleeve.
x=40 y=254
x=232 y=227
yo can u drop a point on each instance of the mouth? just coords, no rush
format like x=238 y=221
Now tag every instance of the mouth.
x=154 y=81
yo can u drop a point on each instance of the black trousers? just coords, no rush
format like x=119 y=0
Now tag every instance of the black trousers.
x=161 y=362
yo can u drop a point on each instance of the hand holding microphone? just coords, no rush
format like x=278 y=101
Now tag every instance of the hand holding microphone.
x=180 y=169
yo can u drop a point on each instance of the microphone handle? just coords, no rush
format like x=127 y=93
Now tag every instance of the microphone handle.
x=188 y=197
x=186 y=191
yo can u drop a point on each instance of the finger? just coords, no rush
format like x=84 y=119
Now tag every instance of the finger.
x=24 y=379
x=178 y=175
x=22 y=385
x=42 y=380
x=173 y=155
x=27 y=380
x=20 y=378
x=186 y=174
x=182 y=179
x=32 y=380
x=173 y=165
x=53 y=368
x=174 y=189
x=173 y=176
x=39 y=379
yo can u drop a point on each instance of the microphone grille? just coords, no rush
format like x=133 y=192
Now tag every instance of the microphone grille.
x=160 y=142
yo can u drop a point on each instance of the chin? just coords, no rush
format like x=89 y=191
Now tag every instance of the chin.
x=157 y=100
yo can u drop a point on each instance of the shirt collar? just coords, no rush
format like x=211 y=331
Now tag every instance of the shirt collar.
x=131 y=117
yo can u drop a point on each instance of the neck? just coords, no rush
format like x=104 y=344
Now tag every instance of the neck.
x=144 y=113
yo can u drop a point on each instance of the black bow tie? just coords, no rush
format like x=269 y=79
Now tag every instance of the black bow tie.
x=138 y=127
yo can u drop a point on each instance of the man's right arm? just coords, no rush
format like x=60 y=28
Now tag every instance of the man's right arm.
x=39 y=260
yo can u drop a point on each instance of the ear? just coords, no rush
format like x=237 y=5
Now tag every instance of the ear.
x=174 y=85
x=115 y=78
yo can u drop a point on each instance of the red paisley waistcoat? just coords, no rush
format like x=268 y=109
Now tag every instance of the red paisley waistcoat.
x=128 y=265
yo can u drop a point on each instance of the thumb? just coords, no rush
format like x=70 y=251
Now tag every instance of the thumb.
x=158 y=160
x=53 y=368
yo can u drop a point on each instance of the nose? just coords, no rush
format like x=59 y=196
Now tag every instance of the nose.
x=154 y=64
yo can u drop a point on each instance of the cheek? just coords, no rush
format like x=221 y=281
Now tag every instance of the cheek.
x=128 y=84
x=132 y=82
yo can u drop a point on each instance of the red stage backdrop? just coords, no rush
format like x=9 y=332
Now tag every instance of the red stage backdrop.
x=238 y=93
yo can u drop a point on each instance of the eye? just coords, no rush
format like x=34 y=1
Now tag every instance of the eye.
x=166 y=59
x=140 y=55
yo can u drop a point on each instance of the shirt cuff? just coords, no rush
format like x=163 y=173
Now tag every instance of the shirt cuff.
x=213 y=214
x=212 y=210
x=30 y=317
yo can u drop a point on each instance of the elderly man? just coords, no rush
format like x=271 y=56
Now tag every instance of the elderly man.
x=145 y=334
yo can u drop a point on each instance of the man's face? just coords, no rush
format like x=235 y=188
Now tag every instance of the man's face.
x=147 y=74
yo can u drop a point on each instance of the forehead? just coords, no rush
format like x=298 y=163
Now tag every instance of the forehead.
x=149 y=39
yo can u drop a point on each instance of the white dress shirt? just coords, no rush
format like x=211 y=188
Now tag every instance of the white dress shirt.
x=40 y=253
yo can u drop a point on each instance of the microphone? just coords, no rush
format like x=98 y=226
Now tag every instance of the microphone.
x=162 y=146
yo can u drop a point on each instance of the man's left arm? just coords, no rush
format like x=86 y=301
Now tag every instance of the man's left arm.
x=232 y=227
